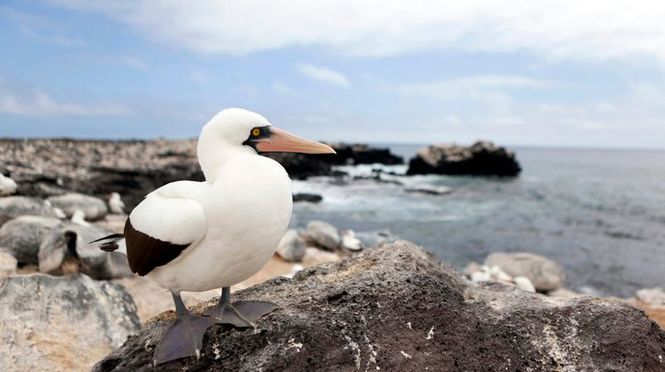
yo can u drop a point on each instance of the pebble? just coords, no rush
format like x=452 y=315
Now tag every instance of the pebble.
x=545 y=274
x=94 y=208
x=7 y=185
x=16 y=206
x=480 y=277
x=292 y=247
x=323 y=234
x=652 y=296
x=23 y=235
x=8 y=264
x=350 y=242
x=314 y=256
x=524 y=284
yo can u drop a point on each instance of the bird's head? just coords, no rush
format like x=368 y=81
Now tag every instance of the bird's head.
x=239 y=127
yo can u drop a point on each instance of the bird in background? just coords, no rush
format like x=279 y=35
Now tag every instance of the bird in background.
x=197 y=236
x=116 y=205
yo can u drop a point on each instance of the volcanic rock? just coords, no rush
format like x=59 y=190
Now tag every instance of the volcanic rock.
x=349 y=241
x=652 y=296
x=7 y=185
x=66 y=250
x=361 y=154
x=292 y=247
x=314 y=256
x=397 y=308
x=67 y=323
x=545 y=274
x=481 y=159
x=22 y=236
x=306 y=197
x=323 y=234
x=15 y=206
x=301 y=166
x=92 y=207
x=8 y=264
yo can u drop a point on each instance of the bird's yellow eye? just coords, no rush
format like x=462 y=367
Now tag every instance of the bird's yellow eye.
x=256 y=132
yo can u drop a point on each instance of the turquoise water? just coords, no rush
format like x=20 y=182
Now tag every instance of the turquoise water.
x=600 y=213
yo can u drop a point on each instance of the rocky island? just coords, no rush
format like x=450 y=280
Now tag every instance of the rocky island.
x=483 y=158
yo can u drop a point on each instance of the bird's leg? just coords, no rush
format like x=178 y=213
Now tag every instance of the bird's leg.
x=184 y=338
x=241 y=314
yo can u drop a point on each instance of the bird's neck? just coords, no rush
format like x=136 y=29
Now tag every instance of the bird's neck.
x=214 y=155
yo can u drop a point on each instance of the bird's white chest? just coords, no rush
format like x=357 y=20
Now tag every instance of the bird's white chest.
x=248 y=209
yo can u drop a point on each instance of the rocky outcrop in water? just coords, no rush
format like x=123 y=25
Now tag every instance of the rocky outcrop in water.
x=359 y=153
x=68 y=323
x=480 y=159
x=396 y=308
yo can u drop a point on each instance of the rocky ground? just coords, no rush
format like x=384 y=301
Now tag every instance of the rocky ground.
x=47 y=168
x=64 y=304
x=398 y=308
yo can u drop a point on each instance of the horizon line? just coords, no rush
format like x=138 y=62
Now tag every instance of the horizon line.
x=534 y=146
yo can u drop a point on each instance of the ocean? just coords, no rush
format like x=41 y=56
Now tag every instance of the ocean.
x=600 y=213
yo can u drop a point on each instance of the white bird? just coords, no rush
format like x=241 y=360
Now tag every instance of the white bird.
x=116 y=204
x=197 y=236
x=7 y=185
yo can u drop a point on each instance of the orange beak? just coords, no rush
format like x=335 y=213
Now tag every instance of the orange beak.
x=283 y=141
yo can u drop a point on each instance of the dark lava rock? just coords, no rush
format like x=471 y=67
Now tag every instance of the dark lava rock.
x=301 y=166
x=481 y=159
x=397 y=308
x=306 y=197
x=47 y=168
x=361 y=154
x=434 y=191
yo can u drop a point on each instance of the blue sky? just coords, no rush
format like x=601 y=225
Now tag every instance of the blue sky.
x=549 y=73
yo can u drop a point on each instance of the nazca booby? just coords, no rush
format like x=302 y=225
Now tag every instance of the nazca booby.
x=197 y=236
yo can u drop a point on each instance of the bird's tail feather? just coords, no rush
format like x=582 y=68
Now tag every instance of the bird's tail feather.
x=112 y=243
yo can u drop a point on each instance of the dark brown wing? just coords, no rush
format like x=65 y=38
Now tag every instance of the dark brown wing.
x=144 y=252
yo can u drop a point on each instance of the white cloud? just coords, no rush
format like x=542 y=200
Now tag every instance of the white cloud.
x=554 y=29
x=38 y=103
x=323 y=74
x=491 y=90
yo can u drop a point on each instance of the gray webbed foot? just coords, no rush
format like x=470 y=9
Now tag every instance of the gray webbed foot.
x=183 y=339
x=242 y=314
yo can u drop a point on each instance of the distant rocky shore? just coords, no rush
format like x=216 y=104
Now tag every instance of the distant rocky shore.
x=47 y=168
